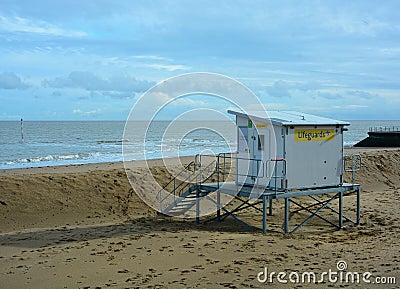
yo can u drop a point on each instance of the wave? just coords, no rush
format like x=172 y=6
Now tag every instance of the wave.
x=112 y=141
x=67 y=159
x=48 y=158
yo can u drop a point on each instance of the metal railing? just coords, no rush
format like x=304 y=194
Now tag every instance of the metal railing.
x=186 y=169
x=220 y=167
x=181 y=186
x=356 y=164
x=224 y=166
x=224 y=158
x=273 y=183
x=384 y=129
x=275 y=176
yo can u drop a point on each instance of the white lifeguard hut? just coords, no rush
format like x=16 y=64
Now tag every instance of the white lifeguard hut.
x=283 y=155
x=289 y=149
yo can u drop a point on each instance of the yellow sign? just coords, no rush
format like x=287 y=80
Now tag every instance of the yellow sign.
x=307 y=135
x=261 y=125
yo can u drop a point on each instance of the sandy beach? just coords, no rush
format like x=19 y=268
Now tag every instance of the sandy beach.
x=83 y=226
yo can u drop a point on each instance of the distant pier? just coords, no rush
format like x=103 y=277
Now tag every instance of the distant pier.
x=381 y=137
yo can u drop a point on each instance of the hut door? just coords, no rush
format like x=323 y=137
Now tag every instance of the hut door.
x=252 y=147
x=260 y=149
x=245 y=148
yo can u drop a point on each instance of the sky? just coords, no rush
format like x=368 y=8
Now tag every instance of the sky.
x=92 y=60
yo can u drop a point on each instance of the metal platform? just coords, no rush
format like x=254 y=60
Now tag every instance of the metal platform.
x=231 y=188
x=187 y=194
x=269 y=194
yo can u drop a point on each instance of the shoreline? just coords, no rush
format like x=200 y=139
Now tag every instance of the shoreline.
x=77 y=168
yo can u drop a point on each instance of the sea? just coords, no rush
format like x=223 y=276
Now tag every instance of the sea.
x=52 y=143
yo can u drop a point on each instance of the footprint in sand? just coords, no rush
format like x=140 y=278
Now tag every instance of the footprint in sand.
x=185 y=271
x=199 y=267
x=228 y=285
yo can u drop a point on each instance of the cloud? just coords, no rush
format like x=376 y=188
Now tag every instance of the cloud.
x=89 y=81
x=93 y=112
x=349 y=106
x=152 y=57
x=110 y=94
x=19 y=24
x=67 y=10
x=289 y=51
x=280 y=88
x=363 y=94
x=9 y=80
x=309 y=85
x=352 y=94
x=77 y=79
x=185 y=101
x=169 y=67
x=329 y=95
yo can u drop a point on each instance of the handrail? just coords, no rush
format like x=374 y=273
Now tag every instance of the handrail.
x=225 y=161
x=246 y=159
x=219 y=156
x=173 y=180
x=222 y=162
x=185 y=169
x=355 y=166
x=208 y=167
x=275 y=176
x=384 y=129
x=264 y=173
x=188 y=181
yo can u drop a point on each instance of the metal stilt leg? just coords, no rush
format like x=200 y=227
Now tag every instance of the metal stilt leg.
x=264 y=212
x=197 y=206
x=287 y=209
x=341 y=210
x=358 y=206
x=218 y=206
x=270 y=207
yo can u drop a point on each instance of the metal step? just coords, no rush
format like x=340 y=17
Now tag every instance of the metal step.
x=186 y=202
x=183 y=202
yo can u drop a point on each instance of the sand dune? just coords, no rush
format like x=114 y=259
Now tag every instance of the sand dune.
x=84 y=227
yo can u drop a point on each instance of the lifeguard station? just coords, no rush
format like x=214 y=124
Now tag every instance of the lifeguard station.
x=285 y=155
